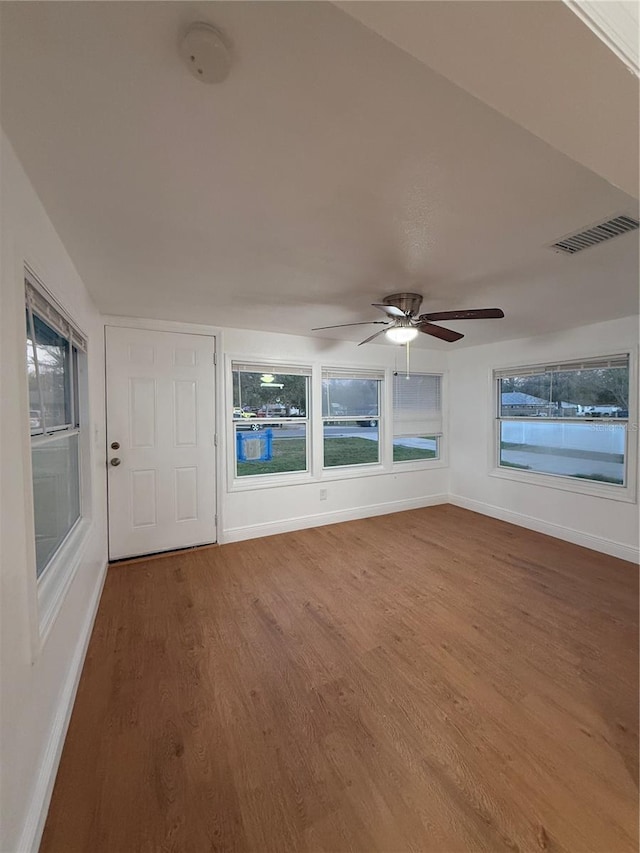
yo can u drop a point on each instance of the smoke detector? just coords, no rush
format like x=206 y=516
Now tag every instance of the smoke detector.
x=205 y=53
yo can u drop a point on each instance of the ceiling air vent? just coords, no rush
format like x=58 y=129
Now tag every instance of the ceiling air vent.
x=596 y=234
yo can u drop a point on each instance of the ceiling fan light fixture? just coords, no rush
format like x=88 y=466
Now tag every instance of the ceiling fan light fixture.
x=401 y=334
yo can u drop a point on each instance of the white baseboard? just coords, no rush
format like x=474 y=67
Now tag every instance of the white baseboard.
x=271 y=528
x=577 y=537
x=43 y=789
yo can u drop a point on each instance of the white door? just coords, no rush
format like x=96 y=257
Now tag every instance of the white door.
x=160 y=441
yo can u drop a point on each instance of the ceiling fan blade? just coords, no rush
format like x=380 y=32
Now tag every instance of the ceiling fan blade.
x=439 y=332
x=391 y=310
x=470 y=314
x=366 y=341
x=342 y=325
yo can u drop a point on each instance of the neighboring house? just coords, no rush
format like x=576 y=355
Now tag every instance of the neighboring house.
x=516 y=403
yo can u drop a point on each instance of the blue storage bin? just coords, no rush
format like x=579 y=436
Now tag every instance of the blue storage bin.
x=254 y=446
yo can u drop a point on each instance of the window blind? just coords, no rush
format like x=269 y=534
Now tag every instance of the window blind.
x=603 y=363
x=275 y=369
x=344 y=373
x=417 y=404
x=43 y=306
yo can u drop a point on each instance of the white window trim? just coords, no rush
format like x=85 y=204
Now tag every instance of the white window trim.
x=257 y=481
x=442 y=459
x=253 y=479
x=317 y=474
x=357 y=373
x=54 y=582
x=608 y=491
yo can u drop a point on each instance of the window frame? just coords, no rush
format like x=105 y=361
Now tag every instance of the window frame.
x=625 y=493
x=437 y=460
x=40 y=305
x=374 y=374
x=317 y=473
x=56 y=577
x=251 y=482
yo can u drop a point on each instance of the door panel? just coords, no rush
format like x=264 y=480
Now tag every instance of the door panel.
x=160 y=410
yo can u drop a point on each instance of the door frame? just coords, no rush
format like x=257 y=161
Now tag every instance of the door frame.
x=214 y=332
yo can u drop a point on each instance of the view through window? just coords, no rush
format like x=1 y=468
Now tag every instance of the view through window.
x=567 y=419
x=54 y=350
x=270 y=419
x=351 y=417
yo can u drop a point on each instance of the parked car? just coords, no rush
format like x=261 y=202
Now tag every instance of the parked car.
x=369 y=421
x=244 y=419
x=272 y=411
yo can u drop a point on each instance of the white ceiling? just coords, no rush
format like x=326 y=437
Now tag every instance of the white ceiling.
x=330 y=169
x=535 y=63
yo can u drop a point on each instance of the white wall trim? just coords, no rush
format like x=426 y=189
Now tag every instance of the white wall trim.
x=217 y=334
x=58 y=578
x=577 y=537
x=615 y=23
x=41 y=794
x=271 y=528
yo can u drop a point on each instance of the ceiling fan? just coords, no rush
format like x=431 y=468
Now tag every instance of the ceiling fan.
x=406 y=323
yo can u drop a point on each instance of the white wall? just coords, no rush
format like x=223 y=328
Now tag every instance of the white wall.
x=349 y=494
x=38 y=678
x=268 y=508
x=597 y=522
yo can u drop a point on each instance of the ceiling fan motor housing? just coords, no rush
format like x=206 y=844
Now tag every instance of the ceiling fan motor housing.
x=407 y=302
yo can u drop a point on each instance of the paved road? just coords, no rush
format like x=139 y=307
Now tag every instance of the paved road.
x=334 y=431
x=359 y=432
x=568 y=465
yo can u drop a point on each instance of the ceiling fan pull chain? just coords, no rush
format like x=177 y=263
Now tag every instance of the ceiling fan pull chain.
x=407 y=345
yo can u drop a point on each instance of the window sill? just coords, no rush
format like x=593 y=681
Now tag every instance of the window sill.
x=418 y=465
x=57 y=578
x=328 y=475
x=625 y=494
x=269 y=481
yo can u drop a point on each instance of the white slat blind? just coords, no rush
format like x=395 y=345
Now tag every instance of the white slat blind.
x=274 y=369
x=417 y=404
x=353 y=373
x=56 y=319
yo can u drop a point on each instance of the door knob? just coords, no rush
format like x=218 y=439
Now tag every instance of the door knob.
x=115 y=461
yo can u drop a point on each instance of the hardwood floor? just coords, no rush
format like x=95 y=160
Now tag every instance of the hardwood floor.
x=433 y=680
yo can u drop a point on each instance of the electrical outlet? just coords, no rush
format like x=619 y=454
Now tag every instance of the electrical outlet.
x=323 y=494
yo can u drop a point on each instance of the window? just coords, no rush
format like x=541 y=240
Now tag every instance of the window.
x=417 y=416
x=54 y=353
x=566 y=420
x=351 y=417
x=270 y=419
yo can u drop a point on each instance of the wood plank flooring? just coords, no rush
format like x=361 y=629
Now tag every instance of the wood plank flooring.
x=433 y=681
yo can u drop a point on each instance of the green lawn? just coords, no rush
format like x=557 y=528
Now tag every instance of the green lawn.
x=406 y=454
x=349 y=451
x=505 y=464
x=599 y=478
x=289 y=454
